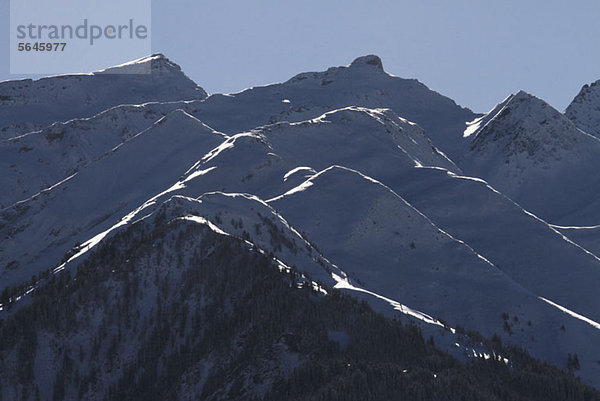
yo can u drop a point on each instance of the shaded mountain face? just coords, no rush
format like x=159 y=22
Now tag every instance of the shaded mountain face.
x=345 y=181
x=527 y=249
x=539 y=158
x=181 y=155
x=38 y=160
x=36 y=232
x=28 y=105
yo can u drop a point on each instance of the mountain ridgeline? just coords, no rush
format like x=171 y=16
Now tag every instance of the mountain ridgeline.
x=344 y=235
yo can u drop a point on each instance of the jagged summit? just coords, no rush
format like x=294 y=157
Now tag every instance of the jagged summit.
x=585 y=92
x=368 y=64
x=370 y=60
x=584 y=110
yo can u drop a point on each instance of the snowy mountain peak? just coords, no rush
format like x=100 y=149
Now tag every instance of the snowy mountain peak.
x=370 y=60
x=531 y=152
x=65 y=97
x=526 y=124
x=155 y=64
x=584 y=110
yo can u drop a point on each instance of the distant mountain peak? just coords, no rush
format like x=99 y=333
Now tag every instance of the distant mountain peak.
x=513 y=110
x=524 y=123
x=370 y=60
x=537 y=156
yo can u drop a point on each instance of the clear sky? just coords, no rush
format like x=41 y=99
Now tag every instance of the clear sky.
x=476 y=52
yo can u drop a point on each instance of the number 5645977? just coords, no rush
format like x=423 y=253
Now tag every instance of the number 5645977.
x=41 y=47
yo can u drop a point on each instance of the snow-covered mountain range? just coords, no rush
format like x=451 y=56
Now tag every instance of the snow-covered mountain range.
x=354 y=178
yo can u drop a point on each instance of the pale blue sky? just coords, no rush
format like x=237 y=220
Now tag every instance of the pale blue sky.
x=476 y=52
